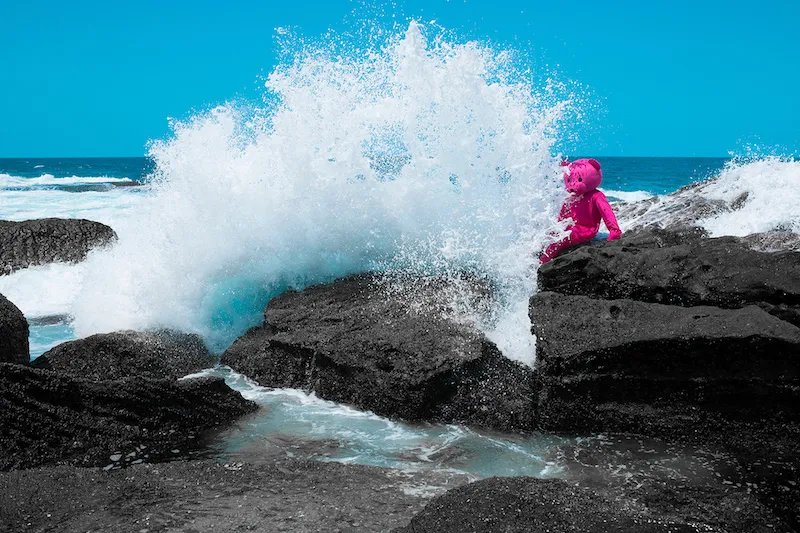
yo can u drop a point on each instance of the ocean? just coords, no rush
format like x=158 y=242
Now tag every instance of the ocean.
x=425 y=156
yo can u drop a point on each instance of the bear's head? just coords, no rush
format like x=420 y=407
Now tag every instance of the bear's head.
x=582 y=176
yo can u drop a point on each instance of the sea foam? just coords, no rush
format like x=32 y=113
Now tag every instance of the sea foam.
x=745 y=197
x=419 y=154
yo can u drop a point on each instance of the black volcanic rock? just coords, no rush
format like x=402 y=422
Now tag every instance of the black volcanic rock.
x=197 y=496
x=719 y=367
x=590 y=352
x=155 y=354
x=524 y=504
x=680 y=268
x=49 y=240
x=352 y=342
x=13 y=334
x=47 y=417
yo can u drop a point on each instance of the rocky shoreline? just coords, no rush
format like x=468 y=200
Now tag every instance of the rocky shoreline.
x=695 y=340
x=665 y=334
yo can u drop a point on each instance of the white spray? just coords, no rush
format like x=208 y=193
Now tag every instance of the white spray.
x=422 y=149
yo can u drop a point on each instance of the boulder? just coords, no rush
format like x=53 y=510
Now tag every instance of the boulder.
x=524 y=504
x=47 y=417
x=744 y=363
x=13 y=334
x=353 y=342
x=154 y=354
x=680 y=268
x=49 y=240
x=725 y=379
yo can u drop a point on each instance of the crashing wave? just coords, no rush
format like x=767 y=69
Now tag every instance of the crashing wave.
x=756 y=199
x=420 y=154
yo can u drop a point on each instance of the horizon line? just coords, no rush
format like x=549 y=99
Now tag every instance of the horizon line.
x=728 y=156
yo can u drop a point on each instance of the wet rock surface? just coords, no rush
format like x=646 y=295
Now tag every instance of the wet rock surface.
x=350 y=342
x=13 y=334
x=207 y=496
x=685 y=207
x=524 y=504
x=48 y=417
x=741 y=362
x=718 y=366
x=49 y=240
x=154 y=354
x=680 y=268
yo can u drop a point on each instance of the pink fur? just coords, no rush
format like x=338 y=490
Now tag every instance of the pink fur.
x=586 y=207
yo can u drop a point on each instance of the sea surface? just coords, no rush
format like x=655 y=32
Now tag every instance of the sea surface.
x=424 y=155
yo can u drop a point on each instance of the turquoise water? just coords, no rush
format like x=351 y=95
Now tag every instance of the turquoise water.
x=295 y=425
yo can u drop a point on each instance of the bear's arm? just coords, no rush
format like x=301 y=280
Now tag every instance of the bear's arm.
x=607 y=214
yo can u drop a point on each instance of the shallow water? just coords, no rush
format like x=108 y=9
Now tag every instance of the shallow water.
x=294 y=424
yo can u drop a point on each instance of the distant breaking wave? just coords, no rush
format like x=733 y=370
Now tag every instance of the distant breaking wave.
x=7 y=181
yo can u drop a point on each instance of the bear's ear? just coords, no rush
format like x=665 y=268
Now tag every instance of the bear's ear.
x=565 y=163
x=594 y=163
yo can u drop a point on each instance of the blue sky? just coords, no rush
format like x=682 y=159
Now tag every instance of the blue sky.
x=677 y=78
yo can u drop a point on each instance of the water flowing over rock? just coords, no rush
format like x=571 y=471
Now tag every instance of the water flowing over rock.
x=49 y=240
x=13 y=334
x=352 y=342
x=49 y=417
x=524 y=504
x=725 y=197
x=684 y=207
x=154 y=354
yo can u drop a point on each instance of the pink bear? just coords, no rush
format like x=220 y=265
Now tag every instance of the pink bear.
x=586 y=207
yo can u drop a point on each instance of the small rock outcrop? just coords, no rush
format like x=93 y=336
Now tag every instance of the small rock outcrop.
x=524 y=504
x=350 y=342
x=48 y=417
x=744 y=363
x=13 y=334
x=49 y=240
x=680 y=268
x=153 y=354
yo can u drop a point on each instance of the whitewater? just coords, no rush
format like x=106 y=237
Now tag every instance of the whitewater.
x=418 y=154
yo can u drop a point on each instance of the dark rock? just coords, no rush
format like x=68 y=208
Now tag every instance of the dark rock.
x=523 y=504
x=351 y=342
x=49 y=240
x=209 y=496
x=680 y=268
x=48 y=417
x=155 y=354
x=13 y=334
x=773 y=241
x=727 y=379
x=743 y=362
